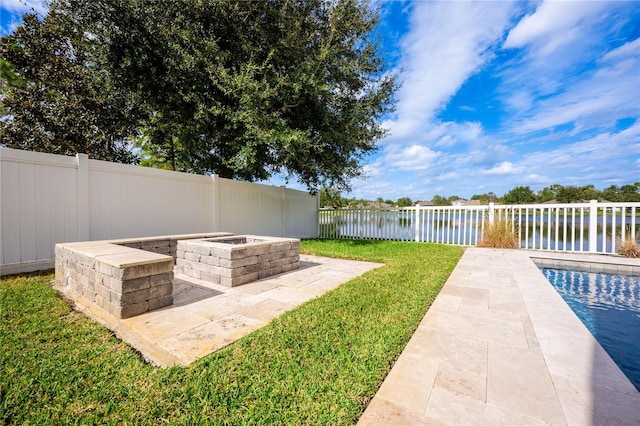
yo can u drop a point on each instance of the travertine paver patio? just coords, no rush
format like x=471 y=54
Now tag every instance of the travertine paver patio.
x=205 y=317
x=500 y=346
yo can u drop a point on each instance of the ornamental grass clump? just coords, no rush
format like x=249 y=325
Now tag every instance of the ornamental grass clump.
x=629 y=248
x=499 y=234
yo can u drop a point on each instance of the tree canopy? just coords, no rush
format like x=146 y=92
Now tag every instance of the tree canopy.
x=239 y=88
x=54 y=97
x=519 y=195
x=572 y=194
x=404 y=202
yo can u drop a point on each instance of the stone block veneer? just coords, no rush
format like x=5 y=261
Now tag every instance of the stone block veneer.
x=237 y=260
x=124 y=277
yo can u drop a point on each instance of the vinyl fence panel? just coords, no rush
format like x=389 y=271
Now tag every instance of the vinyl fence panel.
x=47 y=199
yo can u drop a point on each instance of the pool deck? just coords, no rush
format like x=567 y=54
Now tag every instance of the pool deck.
x=499 y=346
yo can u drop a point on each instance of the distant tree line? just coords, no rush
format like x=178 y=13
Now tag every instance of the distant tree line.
x=519 y=195
x=332 y=198
x=572 y=194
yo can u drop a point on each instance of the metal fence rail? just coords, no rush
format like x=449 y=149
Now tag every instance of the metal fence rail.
x=591 y=227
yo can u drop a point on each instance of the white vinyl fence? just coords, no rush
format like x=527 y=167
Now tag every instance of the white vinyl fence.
x=47 y=199
x=582 y=227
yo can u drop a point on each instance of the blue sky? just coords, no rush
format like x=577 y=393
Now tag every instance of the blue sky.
x=497 y=94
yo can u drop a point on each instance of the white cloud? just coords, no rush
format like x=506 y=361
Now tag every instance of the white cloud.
x=372 y=189
x=372 y=170
x=535 y=179
x=602 y=153
x=14 y=10
x=448 y=176
x=488 y=155
x=412 y=158
x=553 y=24
x=623 y=52
x=601 y=98
x=447 y=42
x=553 y=49
x=559 y=86
x=22 y=6
x=446 y=141
x=504 y=168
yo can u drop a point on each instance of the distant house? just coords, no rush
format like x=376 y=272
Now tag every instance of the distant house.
x=473 y=203
x=459 y=202
x=424 y=203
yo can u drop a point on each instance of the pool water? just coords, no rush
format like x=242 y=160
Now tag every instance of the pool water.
x=609 y=306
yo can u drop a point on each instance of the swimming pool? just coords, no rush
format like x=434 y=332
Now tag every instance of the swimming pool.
x=609 y=306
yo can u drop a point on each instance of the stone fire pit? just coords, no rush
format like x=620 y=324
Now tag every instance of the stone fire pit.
x=237 y=260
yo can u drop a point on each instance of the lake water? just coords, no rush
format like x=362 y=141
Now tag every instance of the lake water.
x=609 y=306
x=459 y=228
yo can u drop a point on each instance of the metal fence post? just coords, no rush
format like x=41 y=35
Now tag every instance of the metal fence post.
x=593 y=226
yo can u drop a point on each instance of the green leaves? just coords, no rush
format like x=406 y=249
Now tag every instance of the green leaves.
x=57 y=98
x=251 y=88
x=242 y=89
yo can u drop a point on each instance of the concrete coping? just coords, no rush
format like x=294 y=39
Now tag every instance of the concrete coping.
x=113 y=253
x=228 y=241
x=587 y=262
x=171 y=237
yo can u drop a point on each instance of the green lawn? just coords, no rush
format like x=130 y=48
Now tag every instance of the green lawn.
x=318 y=364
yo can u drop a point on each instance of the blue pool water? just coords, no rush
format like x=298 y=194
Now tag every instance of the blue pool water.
x=609 y=306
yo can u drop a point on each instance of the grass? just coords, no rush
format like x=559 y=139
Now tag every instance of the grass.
x=317 y=364
x=499 y=234
x=629 y=248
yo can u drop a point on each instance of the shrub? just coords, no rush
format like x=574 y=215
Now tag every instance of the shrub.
x=499 y=234
x=629 y=248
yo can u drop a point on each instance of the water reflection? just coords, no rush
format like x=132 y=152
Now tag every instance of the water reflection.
x=465 y=227
x=609 y=306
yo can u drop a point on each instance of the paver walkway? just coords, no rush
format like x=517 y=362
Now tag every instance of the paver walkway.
x=205 y=317
x=500 y=346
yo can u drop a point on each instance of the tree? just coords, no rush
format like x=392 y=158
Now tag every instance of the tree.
x=330 y=197
x=630 y=193
x=439 y=200
x=8 y=77
x=453 y=198
x=249 y=89
x=8 y=81
x=56 y=98
x=519 y=195
x=589 y=192
x=485 y=199
x=548 y=193
x=611 y=193
x=404 y=202
x=570 y=194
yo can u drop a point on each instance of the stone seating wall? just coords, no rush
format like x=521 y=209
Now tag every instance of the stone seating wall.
x=230 y=265
x=123 y=277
